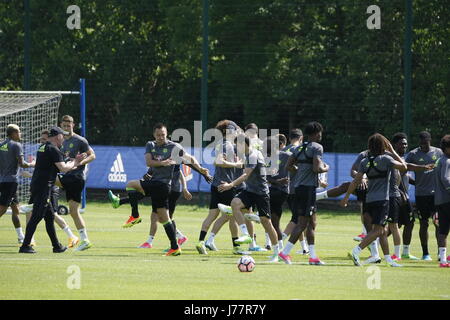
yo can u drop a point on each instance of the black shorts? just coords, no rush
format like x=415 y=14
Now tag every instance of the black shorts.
x=221 y=197
x=305 y=201
x=277 y=198
x=262 y=202
x=291 y=203
x=378 y=211
x=406 y=215
x=425 y=207
x=444 y=218
x=158 y=192
x=73 y=186
x=394 y=209
x=172 y=202
x=8 y=193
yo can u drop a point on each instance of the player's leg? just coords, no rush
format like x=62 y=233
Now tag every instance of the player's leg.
x=39 y=201
x=242 y=200
x=16 y=221
x=424 y=216
x=444 y=227
x=173 y=198
x=218 y=224
x=49 y=218
x=394 y=212
x=263 y=205
x=73 y=239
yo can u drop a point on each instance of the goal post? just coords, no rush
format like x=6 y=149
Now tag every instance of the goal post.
x=34 y=112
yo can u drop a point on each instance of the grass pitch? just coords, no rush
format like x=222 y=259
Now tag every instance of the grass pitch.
x=115 y=269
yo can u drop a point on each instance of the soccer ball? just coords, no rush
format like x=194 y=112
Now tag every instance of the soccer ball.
x=246 y=264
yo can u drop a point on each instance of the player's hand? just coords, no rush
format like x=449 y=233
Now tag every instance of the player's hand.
x=224 y=186
x=343 y=203
x=283 y=181
x=363 y=185
x=168 y=162
x=429 y=166
x=187 y=195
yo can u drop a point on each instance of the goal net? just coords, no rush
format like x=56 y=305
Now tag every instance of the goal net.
x=33 y=113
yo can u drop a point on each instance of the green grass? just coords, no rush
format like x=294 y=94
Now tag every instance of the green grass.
x=115 y=269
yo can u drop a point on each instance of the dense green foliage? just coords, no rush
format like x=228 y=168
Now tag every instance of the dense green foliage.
x=279 y=63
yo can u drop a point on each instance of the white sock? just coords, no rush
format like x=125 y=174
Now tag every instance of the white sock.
x=443 y=254
x=364 y=231
x=284 y=236
x=253 y=244
x=397 y=251
x=179 y=234
x=287 y=249
x=150 y=239
x=83 y=234
x=244 y=230
x=321 y=195
x=20 y=234
x=304 y=245
x=374 y=249
x=406 y=250
x=69 y=232
x=388 y=258
x=268 y=243
x=312 y=251
x=357 y=250
x=280 y=244
x=211 y=238
x=276 y=249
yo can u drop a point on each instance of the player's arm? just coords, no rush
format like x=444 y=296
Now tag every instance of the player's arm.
x=23 y=164
x=227 y=186
x=194 y=164
x=444 y=175
x=398 y=163
x=90 y=156
x=291 y=164
x=186 y=194
x=155 y=163
x=67 y=166
x=418 y=167
x=319 y=166
x=222 y=163
x=351 y=188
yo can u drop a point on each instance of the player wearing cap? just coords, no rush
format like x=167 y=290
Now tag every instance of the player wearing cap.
x=442 y=199
x=418 y=159
x=11 y=158
x=49 y=161
x=73 y=182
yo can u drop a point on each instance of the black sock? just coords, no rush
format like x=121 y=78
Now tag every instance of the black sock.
x=134 y=198
x=174 y=226
x=425 y=250
x=234 y=243
x=171 y=235
x=202 y=235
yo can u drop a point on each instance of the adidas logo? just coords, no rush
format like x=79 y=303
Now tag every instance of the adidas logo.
x=117 y=171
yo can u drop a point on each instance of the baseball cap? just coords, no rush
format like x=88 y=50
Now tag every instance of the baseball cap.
x=53 y=132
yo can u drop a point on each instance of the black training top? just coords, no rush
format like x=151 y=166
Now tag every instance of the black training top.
x=45 y=170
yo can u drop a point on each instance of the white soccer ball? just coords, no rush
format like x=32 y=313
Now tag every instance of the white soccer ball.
x=246 y=264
